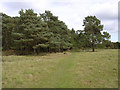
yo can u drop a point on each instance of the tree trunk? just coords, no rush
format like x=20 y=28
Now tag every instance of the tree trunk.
x=59 y=48
x=88 y=49
x=93 y=49
x=48 y=49
x=34 y=51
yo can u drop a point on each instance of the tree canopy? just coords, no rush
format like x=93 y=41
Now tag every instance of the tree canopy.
x=31 y=32
x=92 y=29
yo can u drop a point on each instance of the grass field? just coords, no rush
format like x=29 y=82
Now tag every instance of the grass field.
x=71 y=70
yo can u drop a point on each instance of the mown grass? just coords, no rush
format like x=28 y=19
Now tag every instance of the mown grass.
x=71 y=70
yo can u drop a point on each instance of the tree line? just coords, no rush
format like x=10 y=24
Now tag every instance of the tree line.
x=33 y=33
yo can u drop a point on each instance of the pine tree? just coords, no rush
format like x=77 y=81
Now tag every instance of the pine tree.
x=60 y=39
x=7 y=29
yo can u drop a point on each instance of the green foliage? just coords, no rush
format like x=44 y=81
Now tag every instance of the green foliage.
x=115 y=45
x=7 y=29
x=59 y=32
x=46 y=33
x=31 y=32
x=92 y=29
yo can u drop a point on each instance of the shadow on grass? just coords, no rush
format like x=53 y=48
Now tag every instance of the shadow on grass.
x=82 y=50
x=8 y=53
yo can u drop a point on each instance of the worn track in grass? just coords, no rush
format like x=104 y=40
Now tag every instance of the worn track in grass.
x=70 y=70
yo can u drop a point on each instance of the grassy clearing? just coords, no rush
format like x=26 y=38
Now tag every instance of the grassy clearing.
x=71 y=70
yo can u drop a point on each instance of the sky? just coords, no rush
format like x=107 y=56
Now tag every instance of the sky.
x=72 y=12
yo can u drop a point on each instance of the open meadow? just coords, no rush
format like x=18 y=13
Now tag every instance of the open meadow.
x=62 y=70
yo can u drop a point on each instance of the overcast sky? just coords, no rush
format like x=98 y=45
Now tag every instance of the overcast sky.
x=72 y=12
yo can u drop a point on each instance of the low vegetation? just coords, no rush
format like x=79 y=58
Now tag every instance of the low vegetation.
x=71 y=69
